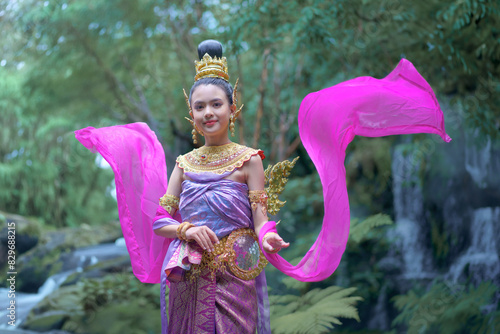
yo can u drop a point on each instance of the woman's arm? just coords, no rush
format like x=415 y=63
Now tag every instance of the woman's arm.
x=254 y=171
x=174 y=189
x=204 y=236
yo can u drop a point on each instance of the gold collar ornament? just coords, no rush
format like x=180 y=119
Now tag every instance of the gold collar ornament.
x=217 y=159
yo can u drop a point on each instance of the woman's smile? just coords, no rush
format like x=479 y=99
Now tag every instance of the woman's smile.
x=210 y=122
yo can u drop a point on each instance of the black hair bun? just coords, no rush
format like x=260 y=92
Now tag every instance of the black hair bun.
x=210 y=46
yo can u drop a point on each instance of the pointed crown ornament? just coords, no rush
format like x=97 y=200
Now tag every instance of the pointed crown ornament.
x=211 y=67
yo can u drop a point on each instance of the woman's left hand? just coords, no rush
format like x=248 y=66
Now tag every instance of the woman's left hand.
x=273 y=243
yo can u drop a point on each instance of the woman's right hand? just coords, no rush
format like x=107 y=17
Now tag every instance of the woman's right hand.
x=204 y=236
x=273 y=243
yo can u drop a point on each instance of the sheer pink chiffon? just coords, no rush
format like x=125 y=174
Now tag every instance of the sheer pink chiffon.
x=401 y=103
x=138 y=161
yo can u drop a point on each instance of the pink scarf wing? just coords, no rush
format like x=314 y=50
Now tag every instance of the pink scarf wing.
x=401 y=103
x=138 y=161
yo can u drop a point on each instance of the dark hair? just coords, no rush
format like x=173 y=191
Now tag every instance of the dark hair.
x=214 y=49
x=223 y=84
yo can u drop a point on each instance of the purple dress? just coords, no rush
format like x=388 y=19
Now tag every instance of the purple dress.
x=222 y=303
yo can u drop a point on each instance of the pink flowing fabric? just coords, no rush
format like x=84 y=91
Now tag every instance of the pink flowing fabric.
x=138 y=162
x=401 y=103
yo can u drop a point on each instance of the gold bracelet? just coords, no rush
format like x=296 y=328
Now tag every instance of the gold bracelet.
x=183 y=231
x=179 y=229
x=257 y=197
x=170 y=203
x=188 y=226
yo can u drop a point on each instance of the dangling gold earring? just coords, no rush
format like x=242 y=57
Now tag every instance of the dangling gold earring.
x=195 y=138
x=231 y=126
x=195 y=129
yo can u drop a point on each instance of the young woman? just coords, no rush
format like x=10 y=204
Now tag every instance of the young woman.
x=204 y=240
x=218 y=189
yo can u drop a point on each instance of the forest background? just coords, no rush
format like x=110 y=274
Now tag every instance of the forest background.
x=65 y=65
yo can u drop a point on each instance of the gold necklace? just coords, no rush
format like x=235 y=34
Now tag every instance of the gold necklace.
x=217 y=159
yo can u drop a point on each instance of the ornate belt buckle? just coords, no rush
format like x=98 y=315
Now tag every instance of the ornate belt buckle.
x=244 y=256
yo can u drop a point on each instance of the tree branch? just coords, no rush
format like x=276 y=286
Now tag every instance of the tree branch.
x=262 y=91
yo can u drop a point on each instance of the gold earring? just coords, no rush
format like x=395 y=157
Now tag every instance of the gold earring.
x=195 y=129
x=231 y=126
x=195 y=138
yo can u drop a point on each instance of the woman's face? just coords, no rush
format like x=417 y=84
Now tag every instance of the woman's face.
x=211 y=110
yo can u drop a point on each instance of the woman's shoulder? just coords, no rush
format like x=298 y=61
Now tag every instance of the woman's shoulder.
x=251 y=152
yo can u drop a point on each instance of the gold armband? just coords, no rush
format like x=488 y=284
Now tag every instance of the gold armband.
x=170 y=203
x=258 y=197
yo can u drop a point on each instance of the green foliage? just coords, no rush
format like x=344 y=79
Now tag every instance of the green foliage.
x=116 y=288
x=446 y=309
x=69 y=65
x=368 y=173
x=120 y=319
x=361 y=230
x=317 y=311
x=98 y=63
x=305 y=193
x=440 y=240
x=44 y=172
x=114 y=304
x=122 y=302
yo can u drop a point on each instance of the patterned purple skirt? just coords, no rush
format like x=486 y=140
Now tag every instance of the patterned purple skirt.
x=224 y=304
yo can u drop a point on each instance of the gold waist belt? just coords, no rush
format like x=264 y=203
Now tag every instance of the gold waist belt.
x=239 y=252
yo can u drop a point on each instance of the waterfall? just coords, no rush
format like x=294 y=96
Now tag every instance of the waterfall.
x=482 y=256
x=482 y=160
x=77 y=262
x=408 y=207
x=26 y=301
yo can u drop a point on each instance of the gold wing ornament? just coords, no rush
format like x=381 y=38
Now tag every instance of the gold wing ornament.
x=276 y=179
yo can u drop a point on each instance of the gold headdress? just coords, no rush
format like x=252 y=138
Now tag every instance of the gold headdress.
x=211 y=67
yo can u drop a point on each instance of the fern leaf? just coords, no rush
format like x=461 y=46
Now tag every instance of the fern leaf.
x=292 y=283
x=318 y=311
x=359 y=231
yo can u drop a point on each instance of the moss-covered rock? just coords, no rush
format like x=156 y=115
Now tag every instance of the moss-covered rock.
x=123 y=318
x=64 y=299
x=101 y=269
x=115 y=303
x=54 y=249
x=26 y=232
x=47 y=321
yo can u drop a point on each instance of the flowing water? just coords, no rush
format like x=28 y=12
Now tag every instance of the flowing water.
x=81 y=259
x=408 y=207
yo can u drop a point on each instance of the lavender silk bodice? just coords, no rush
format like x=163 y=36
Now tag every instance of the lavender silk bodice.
x=221 y=205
